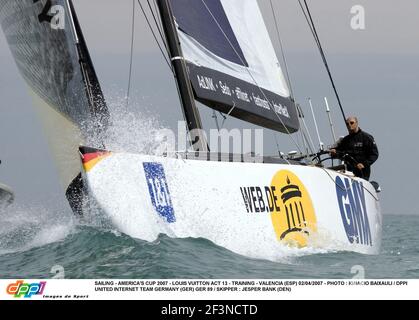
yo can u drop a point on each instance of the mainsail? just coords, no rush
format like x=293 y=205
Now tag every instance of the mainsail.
x=49 y=49
x=232 y=64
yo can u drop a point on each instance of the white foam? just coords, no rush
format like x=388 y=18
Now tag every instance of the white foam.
x=133 y=131
x=51 y=234
x=25 y=227
x=282 y=253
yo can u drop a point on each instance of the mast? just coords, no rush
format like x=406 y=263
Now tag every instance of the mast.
x=96 y=100
x=189 y=108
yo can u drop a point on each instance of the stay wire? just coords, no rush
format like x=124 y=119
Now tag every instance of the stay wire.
x=309 y=24
x=278 y=33
x=313 y=27
x=344 y=188
x=155 y=37
x=282 y=49
x=132 y=53
x=158 y=16
x=156 y=21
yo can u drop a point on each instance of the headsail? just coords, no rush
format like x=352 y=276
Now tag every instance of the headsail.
x=47 y=44
x=232 y=63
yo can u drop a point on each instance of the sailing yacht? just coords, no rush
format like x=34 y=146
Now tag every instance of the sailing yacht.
x=222 y=56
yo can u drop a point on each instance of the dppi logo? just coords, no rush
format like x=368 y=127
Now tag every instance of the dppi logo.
x=19 y=289
x=159 y=190
x=289 y=204
x=353 y=209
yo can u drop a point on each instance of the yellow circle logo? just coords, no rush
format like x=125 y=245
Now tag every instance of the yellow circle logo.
x=295 y=220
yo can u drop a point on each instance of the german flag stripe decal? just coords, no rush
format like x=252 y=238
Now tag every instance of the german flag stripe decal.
x=92 y=159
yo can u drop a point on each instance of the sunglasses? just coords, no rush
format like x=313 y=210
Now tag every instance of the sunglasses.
x=350 y=123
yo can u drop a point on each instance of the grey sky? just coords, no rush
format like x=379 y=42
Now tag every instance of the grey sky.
x=376 y=71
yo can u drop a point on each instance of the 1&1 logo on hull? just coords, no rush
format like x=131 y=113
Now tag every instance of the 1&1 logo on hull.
x=159 y=190
x=296 y=219
x=353 y=209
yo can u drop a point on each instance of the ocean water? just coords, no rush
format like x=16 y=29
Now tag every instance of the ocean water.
x=37 y=243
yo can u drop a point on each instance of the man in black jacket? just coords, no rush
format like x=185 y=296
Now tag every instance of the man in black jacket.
x=358 y=150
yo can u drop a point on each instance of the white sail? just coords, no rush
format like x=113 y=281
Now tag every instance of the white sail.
x=232 y=62
x=47 y=44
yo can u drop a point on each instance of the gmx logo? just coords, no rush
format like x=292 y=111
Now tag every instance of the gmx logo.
x=353 y=209
x=27 y=290
x=159 y=190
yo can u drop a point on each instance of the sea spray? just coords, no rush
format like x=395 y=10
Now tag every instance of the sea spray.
x=33 y=225
x=134 y=130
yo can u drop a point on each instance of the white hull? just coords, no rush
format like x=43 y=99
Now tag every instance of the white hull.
x=238 y=206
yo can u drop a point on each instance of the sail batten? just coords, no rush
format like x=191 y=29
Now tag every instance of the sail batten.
x=232 y=62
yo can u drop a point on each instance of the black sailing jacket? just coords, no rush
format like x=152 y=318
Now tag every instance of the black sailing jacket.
x=360 y=148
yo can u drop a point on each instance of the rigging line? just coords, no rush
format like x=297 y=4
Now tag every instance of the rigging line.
x=251 y=75
x=158 y=26
x=310 y=139
x=228 y=114
x=325 y=61
x=313 y=32
x=316 y=39
x=309 y=24
x=311 y=143
x=224 y=120
x=349 y=188
x=214 y=116
x=304 y=132
x=298 y=138
x=286 y=70
x=280 y=154
x=155 y=37
x=300 y=115
x=132 y=52
x=158 y=16
x=311 y=150
x=304 y=141
x=282 y=50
